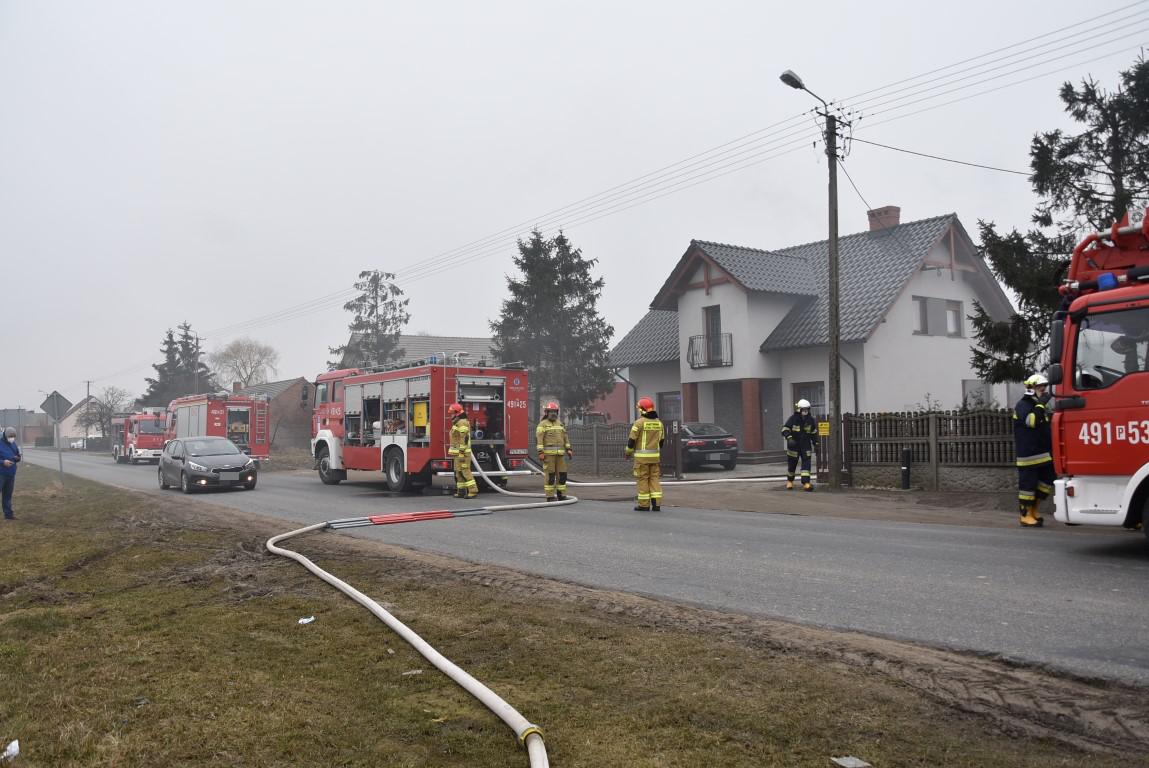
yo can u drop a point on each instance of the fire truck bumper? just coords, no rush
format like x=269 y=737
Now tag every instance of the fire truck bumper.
x=147 y=453
x=1089 y=500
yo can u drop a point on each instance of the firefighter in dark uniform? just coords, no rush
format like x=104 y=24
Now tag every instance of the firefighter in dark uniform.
x=554 y=449
x=460 y=451
x=645 y=446
x=1033 y=440
x=801 y=433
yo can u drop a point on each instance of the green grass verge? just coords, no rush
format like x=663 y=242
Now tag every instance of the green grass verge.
x=135 y=633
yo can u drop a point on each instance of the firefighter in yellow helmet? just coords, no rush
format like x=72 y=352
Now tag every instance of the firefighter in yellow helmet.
x=460 y=451
x=554 y=449
x=644 y=445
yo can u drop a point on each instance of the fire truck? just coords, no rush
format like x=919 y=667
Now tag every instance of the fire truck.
x=239 y=418
x=138 y=436
x=1099 y=369
x=394 y=420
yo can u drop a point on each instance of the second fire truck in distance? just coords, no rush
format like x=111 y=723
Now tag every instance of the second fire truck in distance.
x=395 y=421
x=1099 y=355
x=138 y=437
x=239 y=418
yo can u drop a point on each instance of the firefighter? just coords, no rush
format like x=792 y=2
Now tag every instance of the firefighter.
x=554 y=449
x=801 y=433
x=460 y=451
x=644 y=445
x=1033 y=440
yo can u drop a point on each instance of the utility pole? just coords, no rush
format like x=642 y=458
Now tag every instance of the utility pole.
x=87 y=412
x=835 y=464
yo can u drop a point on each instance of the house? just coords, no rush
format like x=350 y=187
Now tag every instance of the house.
x=469 y=349
x=289 y=411
x=70 y=429
x=737 y=335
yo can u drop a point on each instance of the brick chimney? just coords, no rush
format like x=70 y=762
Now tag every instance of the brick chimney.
x=882 y=218
x=236 y=386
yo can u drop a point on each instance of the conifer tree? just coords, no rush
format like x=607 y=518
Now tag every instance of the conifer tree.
x=379 y=319
x=551 y=323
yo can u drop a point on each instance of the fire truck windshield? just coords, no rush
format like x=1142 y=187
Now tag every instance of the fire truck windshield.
x=151 y=427
x=1111 y=346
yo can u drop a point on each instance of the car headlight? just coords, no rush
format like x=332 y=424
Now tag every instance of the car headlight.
x=196 y=467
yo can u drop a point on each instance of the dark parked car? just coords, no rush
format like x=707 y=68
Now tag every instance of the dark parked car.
x=193 y=463
x=704 y=443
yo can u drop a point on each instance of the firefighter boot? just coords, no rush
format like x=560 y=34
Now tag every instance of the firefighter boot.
x=807 y=487
x=1028 y=519
x=789 y=485
x=655 y=507
x=1039 y=518
x=551 y=498
x=561 y=496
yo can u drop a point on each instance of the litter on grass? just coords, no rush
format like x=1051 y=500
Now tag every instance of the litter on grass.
x=11 y=750
x=308 y=620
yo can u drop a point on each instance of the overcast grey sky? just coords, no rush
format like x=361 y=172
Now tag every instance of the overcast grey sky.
x=236 y=164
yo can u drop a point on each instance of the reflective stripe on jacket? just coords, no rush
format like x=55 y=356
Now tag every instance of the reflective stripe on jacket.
x=460 y=437
x=801 y=429
x=551 y=437
x=1032 y=433
x=647 y=436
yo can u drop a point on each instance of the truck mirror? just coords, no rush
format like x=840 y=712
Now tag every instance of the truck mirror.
x=1056 y=339
x=1054 y=374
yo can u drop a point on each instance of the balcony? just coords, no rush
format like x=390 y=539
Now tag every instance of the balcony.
x=710 y=351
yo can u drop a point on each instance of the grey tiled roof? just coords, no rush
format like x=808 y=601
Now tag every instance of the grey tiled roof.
x=271 y=389
x=775 y=271
x=653 y=340
x=873 y=267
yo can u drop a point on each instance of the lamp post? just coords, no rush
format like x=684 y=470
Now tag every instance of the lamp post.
x=835 y=395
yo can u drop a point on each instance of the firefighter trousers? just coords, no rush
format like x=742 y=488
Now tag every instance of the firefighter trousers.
x=1035 y=483
x=792 y=459
x=554 y=474
x=465 y=484
x=646 y=475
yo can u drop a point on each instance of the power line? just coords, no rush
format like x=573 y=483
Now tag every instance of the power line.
x=935 y=157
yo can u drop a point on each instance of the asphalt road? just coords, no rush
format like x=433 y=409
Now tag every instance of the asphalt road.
x=1071 y=601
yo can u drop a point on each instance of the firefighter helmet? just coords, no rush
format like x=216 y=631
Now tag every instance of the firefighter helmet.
x=645 y=404
x=803 y=403
x=454 y=410
x=551 y=406
x=1034 y=381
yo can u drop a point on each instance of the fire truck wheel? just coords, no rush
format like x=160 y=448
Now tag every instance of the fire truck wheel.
x=164 y=484
x=133 y=459
x=397 y=479
x=118 y=457
x=328 y=475
x=185 y=485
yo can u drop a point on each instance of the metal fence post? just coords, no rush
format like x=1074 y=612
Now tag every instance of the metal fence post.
x=594 y=445
x=934 y=459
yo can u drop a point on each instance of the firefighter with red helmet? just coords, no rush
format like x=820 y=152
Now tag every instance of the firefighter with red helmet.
x=554 y=448
x=645 y=446
x=460 y=451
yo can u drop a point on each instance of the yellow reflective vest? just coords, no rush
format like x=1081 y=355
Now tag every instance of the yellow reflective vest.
x=551 y=437
x=647 y=436
x=460 y=437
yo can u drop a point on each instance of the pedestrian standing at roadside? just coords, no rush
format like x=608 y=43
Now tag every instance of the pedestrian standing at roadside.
x=9 y=458
x=801 y=433
x=645 y=445
x=1033 y=442
x=554 y=449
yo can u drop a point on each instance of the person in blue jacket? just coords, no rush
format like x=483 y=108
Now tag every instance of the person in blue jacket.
x=801 y=433
x=9 y=458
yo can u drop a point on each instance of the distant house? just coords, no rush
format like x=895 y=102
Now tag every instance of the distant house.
x=289 y=412
x=70 y=429
x=737 y=335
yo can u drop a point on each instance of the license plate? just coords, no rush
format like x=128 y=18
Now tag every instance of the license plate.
x=716 y=456
x=228 y=475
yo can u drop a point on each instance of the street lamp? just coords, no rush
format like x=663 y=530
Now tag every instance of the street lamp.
x=790 y=78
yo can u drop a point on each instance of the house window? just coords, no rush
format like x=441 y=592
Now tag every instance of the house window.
x=954 y=319
x=669 y=405
x=921 y=316
x=814 y=391
x=712 y=327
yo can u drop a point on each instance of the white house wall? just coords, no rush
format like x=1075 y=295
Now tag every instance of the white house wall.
x=812 y=365
x=654 y=378
x=905 y=371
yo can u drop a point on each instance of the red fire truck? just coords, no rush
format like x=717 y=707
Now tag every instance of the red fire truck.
x=395 y=421
x=239 y=418
x=138 y=436
x=1099 y=355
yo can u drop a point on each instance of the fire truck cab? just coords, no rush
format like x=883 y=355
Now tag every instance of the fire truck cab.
x=241 y=419
x=394 y=420
x=1099 y=369
x=138 y=437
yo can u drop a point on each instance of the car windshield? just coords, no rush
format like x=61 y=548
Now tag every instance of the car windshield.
x=705 y=429
x=212 y=448
x=152 y=427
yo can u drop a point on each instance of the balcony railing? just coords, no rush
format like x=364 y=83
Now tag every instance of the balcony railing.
x=710 y=351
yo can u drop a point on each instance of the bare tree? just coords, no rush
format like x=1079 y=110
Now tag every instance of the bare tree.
x=244 y=360
x=104 y=405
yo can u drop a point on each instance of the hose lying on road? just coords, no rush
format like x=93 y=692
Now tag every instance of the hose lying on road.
x=772 y=479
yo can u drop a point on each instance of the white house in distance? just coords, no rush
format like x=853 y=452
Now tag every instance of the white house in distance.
x=737 y=335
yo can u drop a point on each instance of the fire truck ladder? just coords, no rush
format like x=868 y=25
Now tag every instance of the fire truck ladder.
x=261 y=421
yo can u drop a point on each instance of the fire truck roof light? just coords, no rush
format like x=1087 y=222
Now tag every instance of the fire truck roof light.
x=1106 y=281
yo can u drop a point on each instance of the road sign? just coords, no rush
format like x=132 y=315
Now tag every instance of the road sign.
x=56 y=406
x=823 y=428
